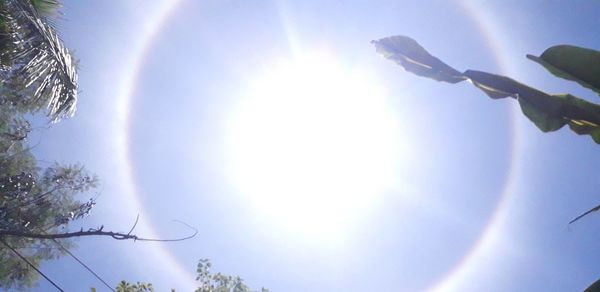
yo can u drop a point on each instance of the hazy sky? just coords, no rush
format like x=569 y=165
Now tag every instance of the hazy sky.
x=309 y=163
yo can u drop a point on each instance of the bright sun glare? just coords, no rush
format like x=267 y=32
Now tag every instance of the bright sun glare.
x=312 y=146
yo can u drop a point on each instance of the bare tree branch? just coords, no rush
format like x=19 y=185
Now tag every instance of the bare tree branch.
x=92 y=232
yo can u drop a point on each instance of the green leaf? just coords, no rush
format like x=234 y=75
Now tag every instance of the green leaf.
x=548 y=112
x=46 y=7
x=414 y=58
x=580 y=109
x=595 y=287
x=544 y=121
x=581 y=65
x=583 y=129
x=495 y=86
x=584 y=116
x=542 y=109
x=41 y=63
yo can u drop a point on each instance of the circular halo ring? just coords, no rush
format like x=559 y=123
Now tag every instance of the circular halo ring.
x=451 y=279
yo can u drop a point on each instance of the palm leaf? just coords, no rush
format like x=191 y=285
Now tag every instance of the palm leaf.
x=46 y=7
x=41 y=60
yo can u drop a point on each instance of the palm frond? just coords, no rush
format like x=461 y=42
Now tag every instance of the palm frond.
x=46 y=7
x=40 y=60
x=49 y=10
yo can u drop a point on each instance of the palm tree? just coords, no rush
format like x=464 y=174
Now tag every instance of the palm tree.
x=34 y=63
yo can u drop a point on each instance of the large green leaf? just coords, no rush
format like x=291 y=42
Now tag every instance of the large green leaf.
x=579 y=109
x=541 y=108
x=544 y=121
x=414 y=58
x=595 y=287
x=547 y=111
x=578 y=64
x=585 y=129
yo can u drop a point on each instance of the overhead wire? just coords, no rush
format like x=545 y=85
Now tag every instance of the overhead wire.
x=83 y=264
x=31 y=265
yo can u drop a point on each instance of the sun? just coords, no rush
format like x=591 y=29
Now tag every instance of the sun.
x=312 y=146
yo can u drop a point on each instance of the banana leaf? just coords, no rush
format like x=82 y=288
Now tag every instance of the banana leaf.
x=581 y=65
x=549 y=112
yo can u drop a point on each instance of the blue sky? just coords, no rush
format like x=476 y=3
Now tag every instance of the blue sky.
x=478 y=198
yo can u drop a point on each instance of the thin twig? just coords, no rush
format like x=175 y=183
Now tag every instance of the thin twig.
x=137 y=218
x=584 y=214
